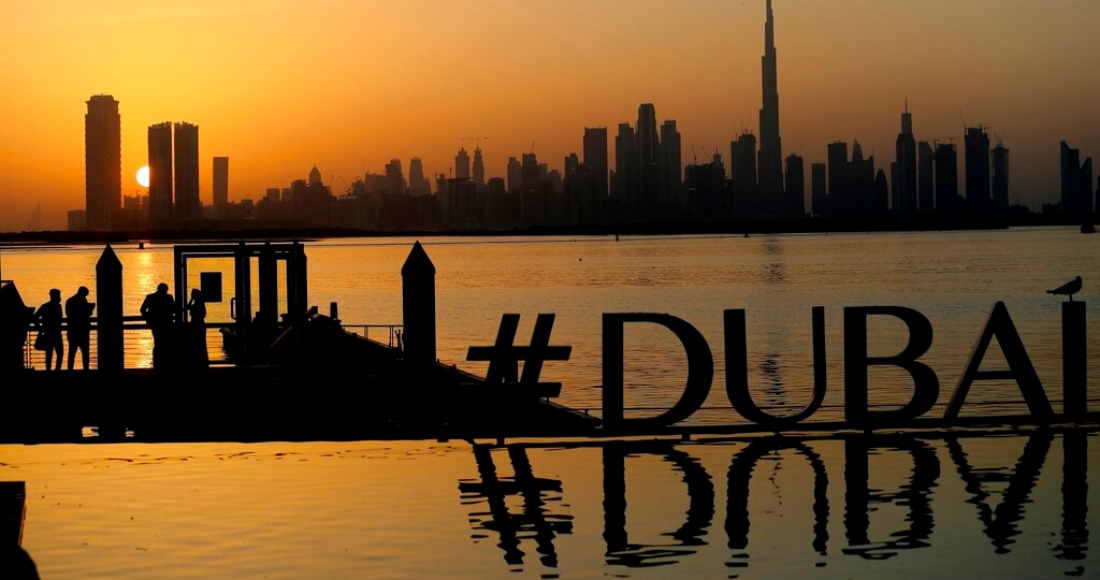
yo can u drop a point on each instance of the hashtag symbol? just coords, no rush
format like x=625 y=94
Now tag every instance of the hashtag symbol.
x=504 y=356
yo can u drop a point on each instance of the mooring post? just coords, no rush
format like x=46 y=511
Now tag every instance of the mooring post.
x=418 y=307
x=108 y=288
x=1074 y=360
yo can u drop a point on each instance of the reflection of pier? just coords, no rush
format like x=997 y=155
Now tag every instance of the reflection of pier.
x=999 y=493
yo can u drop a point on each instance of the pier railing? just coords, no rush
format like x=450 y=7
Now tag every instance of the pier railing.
x=138 y=343
x=392 y=332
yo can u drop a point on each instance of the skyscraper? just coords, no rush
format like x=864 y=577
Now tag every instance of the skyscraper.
x=771 y=149
x=925 y=181
x=838 y=178
x=626 y=165
x=977 y=170
x=418 y=184
x=595 y=157
x=819 y=197
x=160 y=172
x=395 y=178
x=905 y=170
x=1000 y=179
x=102 y=161
x=947 y=178
x=796 y=185
x=743 y=173
x=648 y=168
x=186 y=160
x=515 y=174
x=462 y=164
x=1076 y=182
x=479 y=169
x=221 y=185
x=670 y=164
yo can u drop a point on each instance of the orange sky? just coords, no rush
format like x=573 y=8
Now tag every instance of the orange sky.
x=279 y=85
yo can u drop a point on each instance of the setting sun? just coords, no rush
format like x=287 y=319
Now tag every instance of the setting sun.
x=143 y=176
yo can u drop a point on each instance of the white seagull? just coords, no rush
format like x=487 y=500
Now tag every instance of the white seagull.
x=1069 y=288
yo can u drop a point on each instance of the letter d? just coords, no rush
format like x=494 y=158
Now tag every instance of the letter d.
x=699 y=378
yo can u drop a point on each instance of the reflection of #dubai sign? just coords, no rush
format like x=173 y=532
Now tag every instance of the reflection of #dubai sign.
x=503 y=357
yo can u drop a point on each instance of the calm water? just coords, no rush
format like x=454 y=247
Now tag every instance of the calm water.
x=1010 y=505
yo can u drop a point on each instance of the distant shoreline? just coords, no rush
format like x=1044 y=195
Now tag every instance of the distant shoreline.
x=734 y=227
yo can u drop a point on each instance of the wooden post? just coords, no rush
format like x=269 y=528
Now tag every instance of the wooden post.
x=418 y=307
x=108 y=287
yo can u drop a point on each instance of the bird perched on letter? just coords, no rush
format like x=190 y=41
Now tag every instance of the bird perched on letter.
x=1069 y=288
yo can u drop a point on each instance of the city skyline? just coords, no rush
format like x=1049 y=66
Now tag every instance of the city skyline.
x=351 y=106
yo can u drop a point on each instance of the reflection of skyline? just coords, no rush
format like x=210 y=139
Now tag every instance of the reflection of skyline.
x=927 y=464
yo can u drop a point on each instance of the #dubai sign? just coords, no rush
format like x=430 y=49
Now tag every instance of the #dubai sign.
x=504 y=357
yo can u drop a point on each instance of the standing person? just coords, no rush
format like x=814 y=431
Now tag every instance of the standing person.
x=48 y=321
x=79 y=313
x=196 y=328
x=159 y=312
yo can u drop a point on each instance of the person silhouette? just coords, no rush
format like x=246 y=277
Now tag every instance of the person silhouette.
x=48 y=321
x=196 y=328
x=78 y=311
x=159 y=312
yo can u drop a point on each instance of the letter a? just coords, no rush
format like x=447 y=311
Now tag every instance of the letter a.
x=1020 y=368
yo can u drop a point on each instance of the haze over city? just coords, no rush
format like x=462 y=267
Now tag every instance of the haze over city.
x=279 y=87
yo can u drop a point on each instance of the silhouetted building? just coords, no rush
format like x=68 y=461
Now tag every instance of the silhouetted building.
x=418 y=184
x=796 y=185
x=1076 y=182
x=881 y=197
x=315 y=175
x=947 y=178
x=531 y=173
x=671 y=174
x=925 y=177
x=705 y=189
x=743 y=173
x=479 y=169
x=102 y=162
x=186 y=169
x=1000 y=179
x=977 y=171
x=595 y=157
x=626 y=166
x=515 y=174
x=77 y=220
x=462 y=164
x=648 y=160
x=905 y=167
x=819 y=189
x=160 y=172
x=860 y=185
x=395 y=178
x=771 y=149
x=838 y=178
x=221 y=185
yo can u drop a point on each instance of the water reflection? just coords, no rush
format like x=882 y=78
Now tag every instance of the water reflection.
x=913 y=464
x=740 y=475
x=1001 y=523
x=535 y=520
x=620 y=551
x=860 y=500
